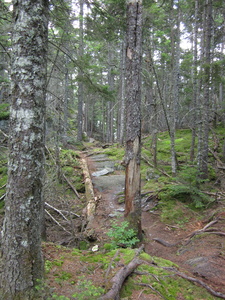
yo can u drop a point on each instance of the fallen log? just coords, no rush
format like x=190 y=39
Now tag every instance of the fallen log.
x=89 y=192
x=121 y=275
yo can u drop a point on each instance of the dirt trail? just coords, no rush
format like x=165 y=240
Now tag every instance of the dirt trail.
x=203 y=257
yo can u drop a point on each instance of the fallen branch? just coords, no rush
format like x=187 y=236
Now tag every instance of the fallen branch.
x=121 y=275
x=5 y=135
x=66 y=211
x=48 y=213
x=2 y=197
x=3 y=186
x=221 y=164
x=72 y=187
x=57 y=210
x=151 y=165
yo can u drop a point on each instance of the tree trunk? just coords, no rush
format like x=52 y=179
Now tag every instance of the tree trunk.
x=80 y=74
x=121 y=113
x=195 y=73
x=22 y=263
x=203 y=154
x=133 y=115
x=110 y=104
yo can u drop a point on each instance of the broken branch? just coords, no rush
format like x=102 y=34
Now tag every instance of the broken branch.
x=48 y=213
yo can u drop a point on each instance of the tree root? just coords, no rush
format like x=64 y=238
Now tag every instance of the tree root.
x=203 y=284
x=121 y=275
x=205 y=229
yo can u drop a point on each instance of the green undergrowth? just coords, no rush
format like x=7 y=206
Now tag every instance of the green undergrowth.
x=69 y=166
x=92 y=279
x=115 y=153
x=4 y=111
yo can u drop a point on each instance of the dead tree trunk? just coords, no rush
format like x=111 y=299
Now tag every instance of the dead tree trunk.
x=133 y=114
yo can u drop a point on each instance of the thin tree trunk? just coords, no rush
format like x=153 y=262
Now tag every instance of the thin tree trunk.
x=203 y=162
x=80 y=74
x=195 y=72
x=133 y=113
x=121 y=113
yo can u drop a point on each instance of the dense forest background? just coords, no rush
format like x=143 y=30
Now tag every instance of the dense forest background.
x=182 y=71
x=101 y=72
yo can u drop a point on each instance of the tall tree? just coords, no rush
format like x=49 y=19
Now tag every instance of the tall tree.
x=80 y=74
x=22 y=263
x=133 y=114
x=206 y=59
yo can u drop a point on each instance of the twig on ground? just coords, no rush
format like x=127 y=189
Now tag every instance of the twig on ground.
x=72 y=187
x=2 y=197
x=57 y=210
x=5 y=135
x=2 y=187
x=152 y=288
x=48 y=213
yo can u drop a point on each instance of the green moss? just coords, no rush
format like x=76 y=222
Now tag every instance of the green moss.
x=76 y=252
x=128 y=287
x=115 y=153
x=83 y=245
x=4 y=111
x=145 y=256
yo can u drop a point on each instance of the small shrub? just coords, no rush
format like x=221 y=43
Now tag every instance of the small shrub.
x=122 y=235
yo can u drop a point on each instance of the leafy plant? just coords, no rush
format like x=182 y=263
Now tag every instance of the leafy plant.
x=86 y=290
x=122 y=235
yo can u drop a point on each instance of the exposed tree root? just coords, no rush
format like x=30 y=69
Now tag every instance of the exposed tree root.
x=203 y=284
x=121 y=275
x=205 y=229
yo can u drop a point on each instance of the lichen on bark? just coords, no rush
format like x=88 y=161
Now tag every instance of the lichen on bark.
x=21 y=235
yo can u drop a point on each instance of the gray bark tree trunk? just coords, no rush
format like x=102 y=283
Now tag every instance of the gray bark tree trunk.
x=22 y=263
x=133 y=115
x=207 y=34
x=80 y=74
x=195 y=88
x=121 y=112
x=110 y=104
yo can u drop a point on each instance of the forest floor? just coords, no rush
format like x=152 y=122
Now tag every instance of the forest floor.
x=197 y=246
